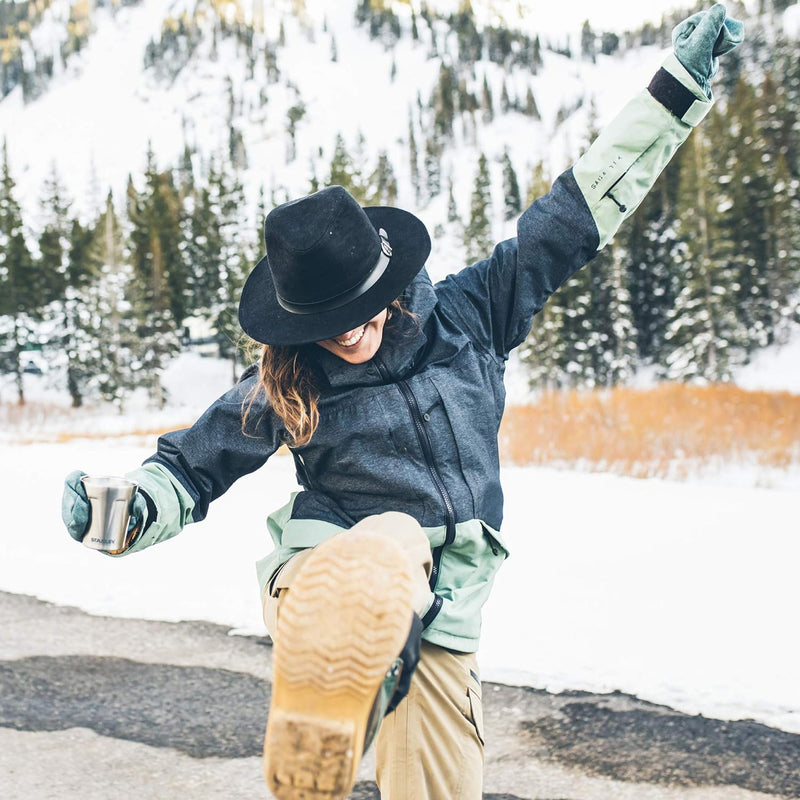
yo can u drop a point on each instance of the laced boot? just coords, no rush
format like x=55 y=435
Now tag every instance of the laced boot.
x=336 y=667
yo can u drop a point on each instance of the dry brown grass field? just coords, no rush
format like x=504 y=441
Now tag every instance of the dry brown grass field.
x=660 y=432
x=666 y=431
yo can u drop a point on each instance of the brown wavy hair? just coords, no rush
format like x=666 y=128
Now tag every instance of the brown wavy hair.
x=288 y=382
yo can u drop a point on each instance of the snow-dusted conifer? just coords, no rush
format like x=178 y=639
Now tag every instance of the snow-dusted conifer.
x=487 y=103
x=654 y=274
x=478 y=232
x=21 y=279
x=382 y=187
x=433 y=163
x=512 y=202
x=588 y=43
x=413 y=158
x=704 y=335
x=158 y=293
x=236 y=259
x=107 y=337
x=452 y=208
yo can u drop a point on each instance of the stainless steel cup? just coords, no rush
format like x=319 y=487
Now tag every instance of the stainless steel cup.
x=110 y=501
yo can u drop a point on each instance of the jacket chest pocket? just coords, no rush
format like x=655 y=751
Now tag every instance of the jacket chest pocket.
x=361 y=455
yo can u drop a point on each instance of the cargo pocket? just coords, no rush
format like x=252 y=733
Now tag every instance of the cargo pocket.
x=476 y=713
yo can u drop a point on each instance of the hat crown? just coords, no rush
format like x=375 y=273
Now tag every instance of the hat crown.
x=320 y=246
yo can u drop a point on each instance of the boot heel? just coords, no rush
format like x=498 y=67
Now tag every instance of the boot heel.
x=313 y=757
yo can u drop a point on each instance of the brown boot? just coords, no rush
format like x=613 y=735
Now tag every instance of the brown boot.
x=341 y=627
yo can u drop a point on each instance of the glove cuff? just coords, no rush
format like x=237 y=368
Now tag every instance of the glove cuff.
x=676 y=90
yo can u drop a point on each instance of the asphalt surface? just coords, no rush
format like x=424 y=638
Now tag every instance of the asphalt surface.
x=93 y=707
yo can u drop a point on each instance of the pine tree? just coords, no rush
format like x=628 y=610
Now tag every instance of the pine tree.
x=294 y=115
x=541 y=353
x=202 y=250
x=63 y=247
x=443 y=102
x=382 y=183
x=751 y=194
x=704 y=335
x=487 y=103
x=610 y=333
x=512 y=202
x=237 y=152
x=536 y=57
x=452 y=208
x=654 y=274
x=236 y=258
x=108 y=337
x=505 y=100
x=413 y=158
x=545 y=351
x=588 y=43
x=158 y=294
x=344 y=172
x=54 y=240
x=478 y=232
x=22 y=282
x=573 y=304
x=433 y=164
x=531 y=107
x=539 y=183
x=770 y=201
x=784 y=252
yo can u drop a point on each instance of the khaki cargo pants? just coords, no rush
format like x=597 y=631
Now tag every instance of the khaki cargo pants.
x=431 y=746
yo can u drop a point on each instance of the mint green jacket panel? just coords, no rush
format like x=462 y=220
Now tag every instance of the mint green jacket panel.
x=170 y=502
x=625 y=160
x=468 y=569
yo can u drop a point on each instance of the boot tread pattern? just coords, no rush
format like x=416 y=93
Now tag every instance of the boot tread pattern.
x=342 y=623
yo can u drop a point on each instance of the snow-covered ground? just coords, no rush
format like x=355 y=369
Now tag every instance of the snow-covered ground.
x=775 y=368
x=681 y=593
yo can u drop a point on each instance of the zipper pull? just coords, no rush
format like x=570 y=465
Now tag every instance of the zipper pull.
x=623 y=209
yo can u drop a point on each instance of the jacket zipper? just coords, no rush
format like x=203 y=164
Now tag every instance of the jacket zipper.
x=427 y=451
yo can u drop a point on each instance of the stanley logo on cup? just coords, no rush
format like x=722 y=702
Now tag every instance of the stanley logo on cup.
x=110 y=505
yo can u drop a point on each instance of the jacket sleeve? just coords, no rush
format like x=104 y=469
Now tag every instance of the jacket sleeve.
x=495 y=299
x=194 y=466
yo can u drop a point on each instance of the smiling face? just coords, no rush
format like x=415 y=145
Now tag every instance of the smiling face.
x=359 y=345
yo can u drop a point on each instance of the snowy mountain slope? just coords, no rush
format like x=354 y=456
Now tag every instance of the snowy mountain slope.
x=96 y=120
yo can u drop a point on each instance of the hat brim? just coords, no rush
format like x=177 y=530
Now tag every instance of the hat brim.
x=263 y=318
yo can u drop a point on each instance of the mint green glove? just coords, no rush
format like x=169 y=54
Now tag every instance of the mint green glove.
x=75 y=508
x=702 y=38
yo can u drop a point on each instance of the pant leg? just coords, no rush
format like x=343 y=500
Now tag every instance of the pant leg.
x=431 y=746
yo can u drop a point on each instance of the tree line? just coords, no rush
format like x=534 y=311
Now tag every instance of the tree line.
x=706 y=272
x=107 y=302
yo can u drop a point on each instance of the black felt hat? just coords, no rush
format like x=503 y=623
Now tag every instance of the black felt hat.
x=331 y=266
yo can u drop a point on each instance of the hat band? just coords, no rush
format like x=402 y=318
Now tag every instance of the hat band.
x=347 y=296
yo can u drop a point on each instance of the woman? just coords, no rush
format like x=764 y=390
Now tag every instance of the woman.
x=389 y=392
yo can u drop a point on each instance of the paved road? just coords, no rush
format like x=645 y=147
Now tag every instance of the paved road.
x=97 y=708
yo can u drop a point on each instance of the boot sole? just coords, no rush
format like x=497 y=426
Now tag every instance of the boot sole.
x=342 y=623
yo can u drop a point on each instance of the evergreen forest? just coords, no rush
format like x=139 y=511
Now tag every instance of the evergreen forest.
x=705 y=273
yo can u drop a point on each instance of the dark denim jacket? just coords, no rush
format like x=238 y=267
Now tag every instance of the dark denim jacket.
x=428 y=404
x=415 y=429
